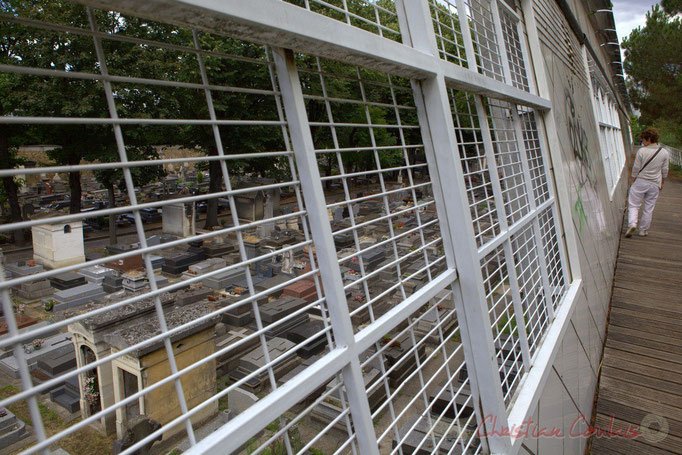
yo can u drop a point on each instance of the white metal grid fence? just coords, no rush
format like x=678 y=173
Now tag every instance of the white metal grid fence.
x=364 y=240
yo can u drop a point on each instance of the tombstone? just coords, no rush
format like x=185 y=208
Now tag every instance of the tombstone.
x=179 y=219
x=67 y=280
x=178 y=263
x=239 y=400
x=370 y=260
x=251 y=245
x=136 y=430
x=338 y=215
x=59 y=244
x=12 y=429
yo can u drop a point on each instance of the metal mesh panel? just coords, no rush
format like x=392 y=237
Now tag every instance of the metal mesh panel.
x=376 y=17
x=418 y=387
x=377 y=187
x=475 y=166
x=514 y=48
x=531 y=141
x=531 y=290
x=503 y=320
x=448 y=30
x=508 y=159
x=485 y=39
x=550 y=246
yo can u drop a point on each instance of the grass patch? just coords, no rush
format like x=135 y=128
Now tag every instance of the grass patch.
x=84 y=441
x=675 y=171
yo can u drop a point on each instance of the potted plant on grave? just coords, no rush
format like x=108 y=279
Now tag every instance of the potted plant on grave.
x=49 y=305
x=37 y=343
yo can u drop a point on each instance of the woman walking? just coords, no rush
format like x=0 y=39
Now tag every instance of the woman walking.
x=648 y=175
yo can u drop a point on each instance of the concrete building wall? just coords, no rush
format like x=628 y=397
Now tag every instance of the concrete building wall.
x=567 y=399
x=199 y=385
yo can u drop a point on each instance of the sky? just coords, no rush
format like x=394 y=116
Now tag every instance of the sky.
x=630 y=14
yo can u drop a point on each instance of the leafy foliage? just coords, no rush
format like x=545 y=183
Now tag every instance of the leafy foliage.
x=653 y=62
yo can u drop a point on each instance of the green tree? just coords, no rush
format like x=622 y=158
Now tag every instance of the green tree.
x=112 y=178
x=653 y=63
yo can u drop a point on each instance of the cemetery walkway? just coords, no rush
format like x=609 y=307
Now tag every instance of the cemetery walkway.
x=641 y=373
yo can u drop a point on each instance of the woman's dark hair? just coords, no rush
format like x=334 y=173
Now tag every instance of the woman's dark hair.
x=650 y=134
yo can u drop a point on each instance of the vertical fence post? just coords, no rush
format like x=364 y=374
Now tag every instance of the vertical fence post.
x=435 y=119
x=311 y=186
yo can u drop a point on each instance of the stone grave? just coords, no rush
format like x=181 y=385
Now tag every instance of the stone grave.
x=308 y=333
x=255 y=359
x=239 y=316
x=272 y=312
x=178 y=263
x=269 y=283
x=58 y=244
x=302 y=289
x=126 y=264
x=225 y=279
x=67 y=280
x=203 y=267
x=79 y=295
x=32 y=290
x=403 y=362
x=68 y=395
x=23 y=328
x=112 y=283
x=57 y=363
x=239 y=400
x=134 y=280
x=188 y=296
x=370 y=260
x=10 y=366
x=22 y=320
x=218 y=246
x=96 y=273
x=12 y=429
x=229 y=359
x=443 y=404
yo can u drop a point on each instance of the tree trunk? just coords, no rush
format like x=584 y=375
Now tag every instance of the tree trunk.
x=215 y=184
x=76 y=192
x=10 y=187
x=112 y=218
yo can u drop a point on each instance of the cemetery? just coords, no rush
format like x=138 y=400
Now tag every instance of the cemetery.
x=290 y=310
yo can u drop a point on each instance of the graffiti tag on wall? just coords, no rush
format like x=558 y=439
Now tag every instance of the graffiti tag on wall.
x=579 y=145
